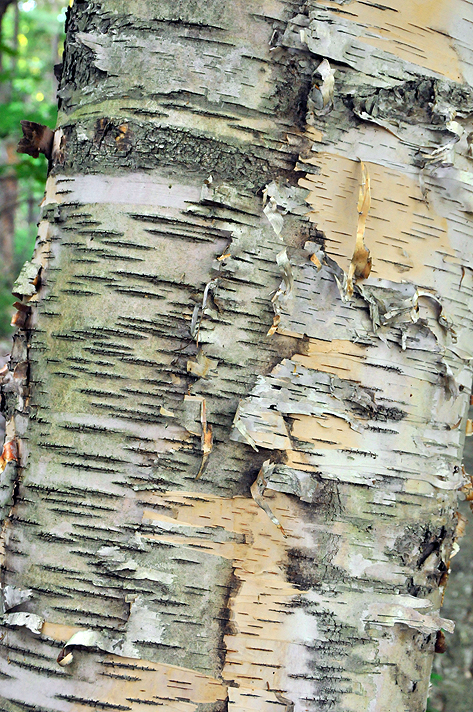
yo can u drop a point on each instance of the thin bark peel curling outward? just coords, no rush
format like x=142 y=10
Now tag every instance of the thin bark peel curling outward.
x=237 y=396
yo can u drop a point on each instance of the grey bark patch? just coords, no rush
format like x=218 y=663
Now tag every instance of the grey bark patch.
x=219 y=706
x=423 y=101
x=418 y=542
x=151 y=147
x=308 y=569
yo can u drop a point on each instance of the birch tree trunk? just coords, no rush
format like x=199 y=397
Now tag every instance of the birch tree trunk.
x=233 y=453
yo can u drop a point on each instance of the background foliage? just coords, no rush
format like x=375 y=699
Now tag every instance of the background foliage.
x=31 y=42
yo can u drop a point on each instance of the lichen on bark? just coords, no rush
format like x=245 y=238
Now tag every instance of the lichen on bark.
x=192 y=329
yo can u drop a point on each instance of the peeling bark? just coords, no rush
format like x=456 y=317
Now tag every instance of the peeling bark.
x=236 y=448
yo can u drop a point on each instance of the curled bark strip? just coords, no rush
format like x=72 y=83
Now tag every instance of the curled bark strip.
x=19 y=619
x=36 y=139
x=257 y=489
x=442 y=319
x=14 y=596
x=84 y=638
x=273 y=215
x=206 y=438
x=360 y=266
x=285 y=701
x=320 y=99
x=284 y=291
x=9 y=454
x=241 y=427
x=123 y=642
x=196 y=321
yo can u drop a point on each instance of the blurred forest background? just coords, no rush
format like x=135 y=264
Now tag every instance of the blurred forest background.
x=31 y=43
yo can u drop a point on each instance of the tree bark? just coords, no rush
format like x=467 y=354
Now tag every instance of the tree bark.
x=239 y=450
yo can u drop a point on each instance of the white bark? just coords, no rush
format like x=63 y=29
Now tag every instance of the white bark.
x=237 y=484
